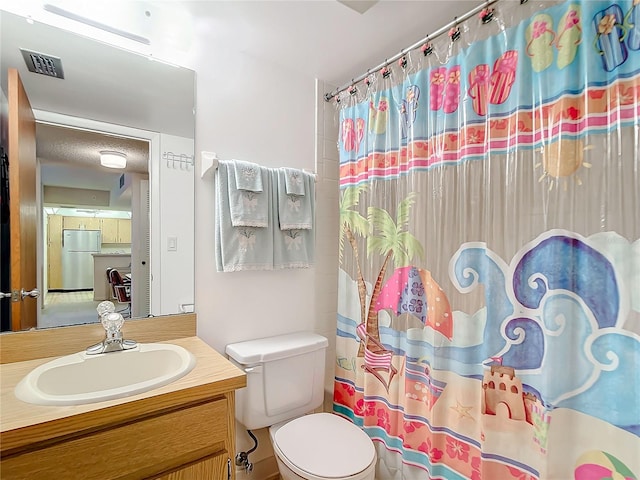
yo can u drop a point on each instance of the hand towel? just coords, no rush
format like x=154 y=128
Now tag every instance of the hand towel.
x=293 y=248
x=294 y=181
x=295 y=211
x=247 y=175
x=240 y=248
x=248 y=208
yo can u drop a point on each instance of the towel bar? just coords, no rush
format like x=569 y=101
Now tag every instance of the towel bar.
x=209 y=163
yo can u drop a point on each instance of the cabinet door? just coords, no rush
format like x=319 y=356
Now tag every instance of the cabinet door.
x=91 y=223
x=124 y=231
x=214 y=468
x=138 y=449
x=72 y=222
x=109 y=230
x=81 y=223
x=54 y=253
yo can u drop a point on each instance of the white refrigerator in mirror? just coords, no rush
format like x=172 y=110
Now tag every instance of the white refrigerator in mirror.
x=78 y=247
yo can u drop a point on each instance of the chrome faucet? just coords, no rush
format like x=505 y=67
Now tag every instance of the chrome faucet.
x=112 y=322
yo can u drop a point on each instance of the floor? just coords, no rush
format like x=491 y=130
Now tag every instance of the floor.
x=57 y=298
x=68 y=308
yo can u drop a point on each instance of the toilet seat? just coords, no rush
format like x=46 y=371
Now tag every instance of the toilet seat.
x=332 y=448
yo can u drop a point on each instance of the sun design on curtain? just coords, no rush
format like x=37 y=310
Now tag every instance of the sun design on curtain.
x=489 y=300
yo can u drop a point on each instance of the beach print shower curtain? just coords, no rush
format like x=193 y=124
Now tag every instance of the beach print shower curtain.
x=489 y=281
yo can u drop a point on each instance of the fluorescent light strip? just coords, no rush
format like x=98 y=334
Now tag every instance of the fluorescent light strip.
x=87 y=21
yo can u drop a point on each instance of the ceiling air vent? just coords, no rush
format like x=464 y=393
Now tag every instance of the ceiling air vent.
x=44 y=64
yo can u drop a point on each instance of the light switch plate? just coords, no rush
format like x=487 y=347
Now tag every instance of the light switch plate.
x=172 y=244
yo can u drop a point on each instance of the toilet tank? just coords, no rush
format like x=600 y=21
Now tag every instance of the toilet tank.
x=285 y=377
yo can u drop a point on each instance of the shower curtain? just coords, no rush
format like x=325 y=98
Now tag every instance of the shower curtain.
x=489 y=280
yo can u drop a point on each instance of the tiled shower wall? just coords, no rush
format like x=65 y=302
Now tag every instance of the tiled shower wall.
x=327 y=224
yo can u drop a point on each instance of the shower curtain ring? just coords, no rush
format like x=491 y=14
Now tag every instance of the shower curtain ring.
x=385 y=70
x=454 y=33
x=427 y=48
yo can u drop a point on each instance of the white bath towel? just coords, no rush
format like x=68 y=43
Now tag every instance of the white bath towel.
x=247 y=176
x=248 y=208
x=294 y=181
x=240 y=248
x=294 y=248
x=295 y=212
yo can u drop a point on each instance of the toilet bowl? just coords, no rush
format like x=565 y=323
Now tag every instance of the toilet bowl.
x=322 y=446
x=285 y=381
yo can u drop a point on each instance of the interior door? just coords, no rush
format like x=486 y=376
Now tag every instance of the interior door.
x=22 y=205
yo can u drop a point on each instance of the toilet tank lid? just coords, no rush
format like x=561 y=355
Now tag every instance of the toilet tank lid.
x=275 y=348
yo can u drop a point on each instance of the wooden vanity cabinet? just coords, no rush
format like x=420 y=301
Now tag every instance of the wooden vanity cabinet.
x=181 y=431
x=212 y=468
x=182 y=442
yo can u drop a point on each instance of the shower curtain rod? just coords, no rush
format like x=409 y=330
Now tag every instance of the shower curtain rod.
x=404 y=51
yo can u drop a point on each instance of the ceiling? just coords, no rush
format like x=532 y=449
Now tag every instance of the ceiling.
x=56 y=145
x=325 y=39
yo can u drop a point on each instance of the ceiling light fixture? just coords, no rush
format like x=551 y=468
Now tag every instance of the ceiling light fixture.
x=94 y=23
x=113 y=159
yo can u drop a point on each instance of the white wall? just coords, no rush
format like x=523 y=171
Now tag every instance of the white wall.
x=251 y=110
x=176 y=184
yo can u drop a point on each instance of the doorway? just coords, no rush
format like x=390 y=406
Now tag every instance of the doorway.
x=80 y=244
x=91 y=217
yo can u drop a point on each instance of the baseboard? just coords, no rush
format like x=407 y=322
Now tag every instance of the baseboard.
x=265 y=469
x=70 y=290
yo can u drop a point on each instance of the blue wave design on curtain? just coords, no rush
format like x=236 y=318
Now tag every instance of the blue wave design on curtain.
x=529 y=354
x=614 y=396
x=471 y=267
x=566 y=370
x=567 y=263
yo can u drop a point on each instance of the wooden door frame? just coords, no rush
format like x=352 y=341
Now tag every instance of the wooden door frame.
x=23 y=172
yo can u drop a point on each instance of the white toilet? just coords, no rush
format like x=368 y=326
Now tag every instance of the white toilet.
x=285 y=381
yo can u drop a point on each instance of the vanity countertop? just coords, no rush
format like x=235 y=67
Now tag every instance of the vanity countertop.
x=22 y=424
x=111 y=254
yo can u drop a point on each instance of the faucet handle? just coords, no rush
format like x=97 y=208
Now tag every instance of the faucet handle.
x=105 y=307
x=112 y=322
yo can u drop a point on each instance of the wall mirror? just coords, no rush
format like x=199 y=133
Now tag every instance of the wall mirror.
x=110 y=99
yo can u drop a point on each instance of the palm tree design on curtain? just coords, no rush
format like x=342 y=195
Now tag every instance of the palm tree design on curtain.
x=388 y=238
x=391 y=240
x=352 y=222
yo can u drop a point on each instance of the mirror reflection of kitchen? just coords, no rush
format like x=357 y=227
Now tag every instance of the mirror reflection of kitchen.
x=88 y=224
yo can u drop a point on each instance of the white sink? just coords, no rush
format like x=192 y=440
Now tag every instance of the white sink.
x=80 y=378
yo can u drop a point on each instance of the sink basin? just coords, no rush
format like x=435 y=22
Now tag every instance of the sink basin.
x=80 y=378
